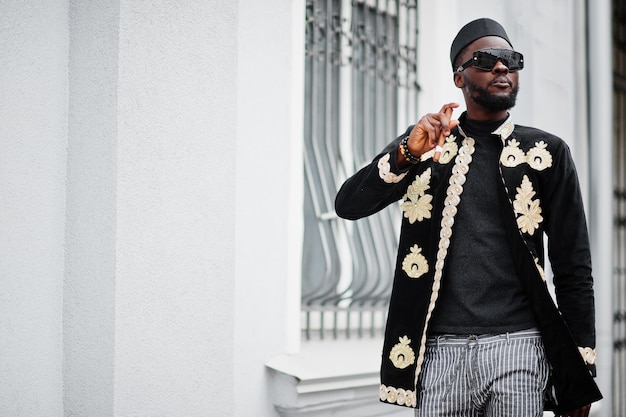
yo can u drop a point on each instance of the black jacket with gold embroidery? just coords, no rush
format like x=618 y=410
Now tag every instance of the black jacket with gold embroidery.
x=540 y=186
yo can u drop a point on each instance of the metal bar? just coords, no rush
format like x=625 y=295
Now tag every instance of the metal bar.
x=330 y=300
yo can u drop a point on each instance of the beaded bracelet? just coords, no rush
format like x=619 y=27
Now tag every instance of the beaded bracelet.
x=404 y=150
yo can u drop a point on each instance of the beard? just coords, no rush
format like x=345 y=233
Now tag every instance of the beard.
x=490 y=101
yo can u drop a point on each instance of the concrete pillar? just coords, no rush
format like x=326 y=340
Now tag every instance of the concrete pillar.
x=270 y=181
x=90 y=275
x=175 y=214
x=149 y=293
x=33 y=140
x=601 y=188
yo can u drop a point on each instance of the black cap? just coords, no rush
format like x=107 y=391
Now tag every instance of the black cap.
x=475 y=29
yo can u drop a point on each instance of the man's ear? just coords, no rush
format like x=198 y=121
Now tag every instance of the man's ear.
x=459 y=80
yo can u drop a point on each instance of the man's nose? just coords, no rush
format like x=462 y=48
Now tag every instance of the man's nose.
x=500 y=67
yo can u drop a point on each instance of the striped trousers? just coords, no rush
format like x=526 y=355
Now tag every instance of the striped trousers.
x=484 y=376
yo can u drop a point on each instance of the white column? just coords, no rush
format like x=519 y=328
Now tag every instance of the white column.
x=33 y=140
x=149 y=294
x=89 y=291
x=601 y=186
x=175 y=209
x=269 y=177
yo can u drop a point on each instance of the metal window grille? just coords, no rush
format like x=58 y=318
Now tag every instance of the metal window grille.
x=360 y=87
x=619 y=208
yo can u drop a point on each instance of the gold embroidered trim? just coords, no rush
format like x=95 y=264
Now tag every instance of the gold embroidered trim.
x=453 y=198
x=505 y=129
x=398 y=396
x=588 y=354
x=401 y=354
x=450 y=150
x=512 y=155
x=529 y=210
x=540 y=269
x=416 y=205
x=538 y=157
x=384 y=171
x=415 y=264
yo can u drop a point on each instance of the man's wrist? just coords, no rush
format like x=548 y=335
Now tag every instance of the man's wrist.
x=406 y=154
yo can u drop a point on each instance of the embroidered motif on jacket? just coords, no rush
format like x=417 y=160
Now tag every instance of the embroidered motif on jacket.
x=384 y=171
x=512 y=155
x=402 y=354
x=529 y=210
x=398 y=396
x=538 y=157
x=415 y=264
x=588 y=354
x=416 y=205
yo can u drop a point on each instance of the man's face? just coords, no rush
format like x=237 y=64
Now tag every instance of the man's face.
x=494 y=90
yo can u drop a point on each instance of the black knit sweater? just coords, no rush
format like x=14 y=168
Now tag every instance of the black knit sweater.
x=481 y=292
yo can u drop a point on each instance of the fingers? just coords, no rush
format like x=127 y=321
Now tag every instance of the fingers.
x=451 y=105
x=431 y=131
x=436 y=124
x=446 y=124
x=446 y=113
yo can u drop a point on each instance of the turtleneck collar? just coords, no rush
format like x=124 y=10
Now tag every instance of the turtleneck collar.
x=480 y=128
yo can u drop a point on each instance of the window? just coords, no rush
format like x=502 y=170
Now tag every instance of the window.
x=360 y=92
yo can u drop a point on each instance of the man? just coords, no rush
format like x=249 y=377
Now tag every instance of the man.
x=472 y=329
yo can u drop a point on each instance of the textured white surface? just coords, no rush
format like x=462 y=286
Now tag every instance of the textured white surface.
x=175 y=218
x=88 y=298
x=149 y=282
x=33 y=140
x=269 y=211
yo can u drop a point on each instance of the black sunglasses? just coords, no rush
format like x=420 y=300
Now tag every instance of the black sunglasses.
x=486 y=59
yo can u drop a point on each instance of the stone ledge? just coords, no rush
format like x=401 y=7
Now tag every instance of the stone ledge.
x=338 y=378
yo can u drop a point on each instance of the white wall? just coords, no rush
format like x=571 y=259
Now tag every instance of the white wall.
x=89 y=291
x=150 y=244
x=601 y=190
x=33 y=137
x=175 y=249
x=268 y=203
x=195 y=243
x=148 y=309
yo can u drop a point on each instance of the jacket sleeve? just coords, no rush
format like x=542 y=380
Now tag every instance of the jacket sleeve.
x=569 y=253
x=375 y=186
